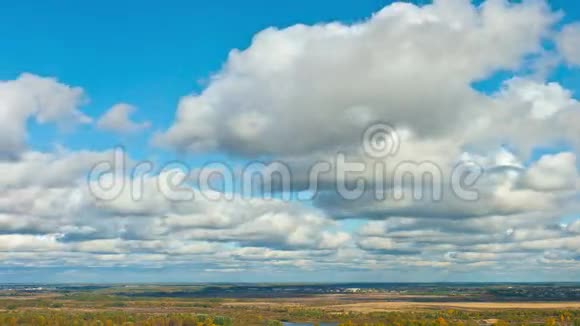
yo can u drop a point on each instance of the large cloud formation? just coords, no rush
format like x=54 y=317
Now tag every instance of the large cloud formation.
x=411 y=66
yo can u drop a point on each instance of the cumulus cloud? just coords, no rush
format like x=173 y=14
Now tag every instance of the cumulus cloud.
x=526 y=114
x=569 y=43
x=118 y=119
x=553 y=173
x=250 y=222
x=506 y=187
x=411 y=66
x=33 y=97
x=66 y=217
x=55 y=169
x=498 y=241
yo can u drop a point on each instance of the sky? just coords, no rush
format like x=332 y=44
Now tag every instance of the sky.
x=114 y=116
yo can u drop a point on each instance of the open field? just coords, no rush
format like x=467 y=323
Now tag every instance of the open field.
x=398 y=306
x=248 y=305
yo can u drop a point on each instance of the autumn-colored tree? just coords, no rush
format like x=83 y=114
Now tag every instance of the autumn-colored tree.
x=550 y=322
x=442 y=322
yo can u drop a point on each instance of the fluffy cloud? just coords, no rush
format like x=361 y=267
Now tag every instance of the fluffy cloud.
x=413 y=67
x=503 y=244
x=67 y=218
x=527 y=114
x=247 y=221
x=59 y=168
x=569 y=43
x=553 y=173
x=506 y=187
x=407 y=65
x=30 y=96
x=118 y=119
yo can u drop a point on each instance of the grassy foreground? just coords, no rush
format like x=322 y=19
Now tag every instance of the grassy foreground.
x=248 y=316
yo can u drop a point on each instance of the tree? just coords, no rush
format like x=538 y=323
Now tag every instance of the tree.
x=550 y=322
x=442 y=322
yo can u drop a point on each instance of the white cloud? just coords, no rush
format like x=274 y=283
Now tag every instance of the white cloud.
x=525 y=114
x=44 y=99
x=118 y=119
x=308 y=88
x=553 y=173
x=60 y=168
x=569 y=43
x=304 y=92
x=541 y=101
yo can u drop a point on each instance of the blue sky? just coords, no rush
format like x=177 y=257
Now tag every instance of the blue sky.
x=286 y=95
